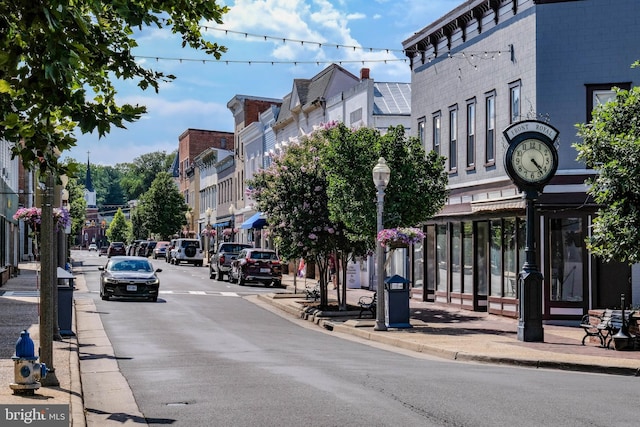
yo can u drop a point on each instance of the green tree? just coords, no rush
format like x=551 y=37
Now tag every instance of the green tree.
x=119 y=228
x=293 y=193
x=138 y=175
x=77 y=206
x=106 y=183
x=138 y=229
x=57 y=61
x=163 y=207
x=611 y=145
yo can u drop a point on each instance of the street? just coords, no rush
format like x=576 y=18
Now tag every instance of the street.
x=207 y=355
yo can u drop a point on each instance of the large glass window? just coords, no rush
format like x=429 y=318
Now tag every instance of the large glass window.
x=467 y=257
x=431 y=252
x=482 y=260
x=418 y=265
x=441 y=257
x=490 y=127
x=436 y=132
x=495 y=256
x=421 y=135
x=453 y=139
x=471 y=134
x=514 y=107
x=456 y=270
x=510 y=257
x=567 y=240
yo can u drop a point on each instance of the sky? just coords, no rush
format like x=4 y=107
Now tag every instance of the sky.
x=198 y=97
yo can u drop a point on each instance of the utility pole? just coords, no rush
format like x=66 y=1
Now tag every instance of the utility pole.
x=47 y=282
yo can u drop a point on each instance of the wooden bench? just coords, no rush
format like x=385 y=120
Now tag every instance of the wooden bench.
x=368 y=303
x=604 y=326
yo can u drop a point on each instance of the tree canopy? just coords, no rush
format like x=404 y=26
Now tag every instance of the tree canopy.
x=57 y=61
x=162 y=207
x=319 y=195
x=119 y=228
x=611 y=145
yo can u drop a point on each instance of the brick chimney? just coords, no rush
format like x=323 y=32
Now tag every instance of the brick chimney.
x=364 y=74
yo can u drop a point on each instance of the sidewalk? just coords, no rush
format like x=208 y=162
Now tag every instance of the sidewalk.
x=104 y=397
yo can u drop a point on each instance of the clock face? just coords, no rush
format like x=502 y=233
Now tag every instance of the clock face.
x=532 y=160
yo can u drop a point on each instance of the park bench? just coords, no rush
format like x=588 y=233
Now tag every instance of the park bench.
x=368 y=303
x=604 y=326
x=312 y=292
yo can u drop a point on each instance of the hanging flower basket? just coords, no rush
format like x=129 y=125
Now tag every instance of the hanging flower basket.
x=33 y=217
x=400 y=237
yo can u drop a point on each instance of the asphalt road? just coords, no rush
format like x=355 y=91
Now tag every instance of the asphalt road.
x=206 y=354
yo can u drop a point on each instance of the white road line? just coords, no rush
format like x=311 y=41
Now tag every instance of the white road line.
x=229 y=294
x=197 y=292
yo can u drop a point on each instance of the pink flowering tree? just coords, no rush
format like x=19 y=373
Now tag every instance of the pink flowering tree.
x=292 y=192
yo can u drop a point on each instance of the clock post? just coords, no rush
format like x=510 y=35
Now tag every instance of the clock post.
x=531 y=162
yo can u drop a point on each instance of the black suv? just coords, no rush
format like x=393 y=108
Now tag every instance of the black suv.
x=116 y=248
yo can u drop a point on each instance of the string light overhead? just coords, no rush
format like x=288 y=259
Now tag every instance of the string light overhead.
x=269 y=62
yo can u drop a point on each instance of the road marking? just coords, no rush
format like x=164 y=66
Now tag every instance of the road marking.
x=197 y=292
x=229 y=294
x=165 y=292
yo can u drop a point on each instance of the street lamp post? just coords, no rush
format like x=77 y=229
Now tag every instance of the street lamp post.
x=232 y=213
x=208 y=213
x=381 y=176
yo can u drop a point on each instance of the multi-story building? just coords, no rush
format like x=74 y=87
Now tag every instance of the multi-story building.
x=191 y=143
x=246 y=112
x=13 y=192
x=479 y=69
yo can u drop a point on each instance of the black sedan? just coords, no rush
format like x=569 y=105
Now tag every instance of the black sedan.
x=129 y=277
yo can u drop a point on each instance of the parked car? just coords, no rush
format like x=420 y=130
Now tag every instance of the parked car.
x=103 y=250
x=151 y=245
x=129 y=277
x=256 y=265
x=220 y=261
x=160 y=251
x=93 y=247
x=132 y=249
x=115 y=249
x=187 y=250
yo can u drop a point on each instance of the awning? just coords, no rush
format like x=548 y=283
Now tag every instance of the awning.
x=256 y=221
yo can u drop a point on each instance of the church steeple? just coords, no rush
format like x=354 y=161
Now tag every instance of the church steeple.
x=88 y=183
x=89 y=192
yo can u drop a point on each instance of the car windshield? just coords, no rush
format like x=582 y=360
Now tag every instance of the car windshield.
x=264 y=255
x=234 y=248
x=186 y=243
x=130 y=265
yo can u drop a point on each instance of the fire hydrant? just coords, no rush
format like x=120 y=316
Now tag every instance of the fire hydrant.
x=27 y=371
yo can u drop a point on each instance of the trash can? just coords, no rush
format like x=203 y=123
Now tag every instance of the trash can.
x=65 y=301
x=396 y=302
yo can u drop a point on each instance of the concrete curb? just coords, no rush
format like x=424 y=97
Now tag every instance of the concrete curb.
x=356 y=327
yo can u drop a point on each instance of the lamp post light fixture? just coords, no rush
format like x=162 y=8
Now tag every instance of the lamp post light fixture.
x=232 y=213
x=381 y=176
x=208 y=213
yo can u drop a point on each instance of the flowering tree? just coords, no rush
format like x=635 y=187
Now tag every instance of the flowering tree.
x=292 y=191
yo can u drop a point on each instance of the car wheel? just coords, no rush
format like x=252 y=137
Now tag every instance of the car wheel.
x=276 y=283
x=154 y=299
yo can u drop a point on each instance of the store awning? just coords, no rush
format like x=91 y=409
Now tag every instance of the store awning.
x=258 y=221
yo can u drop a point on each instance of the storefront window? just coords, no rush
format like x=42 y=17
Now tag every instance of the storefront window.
x=510 y=258
x=566 y=262
x=418 y=265
x=495 y=255
x=430 y=245
x=467 y=257
x=482 y=262
x=456 y=270
x=441 y=257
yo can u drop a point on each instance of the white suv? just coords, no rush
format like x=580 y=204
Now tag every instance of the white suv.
x=187 y=250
